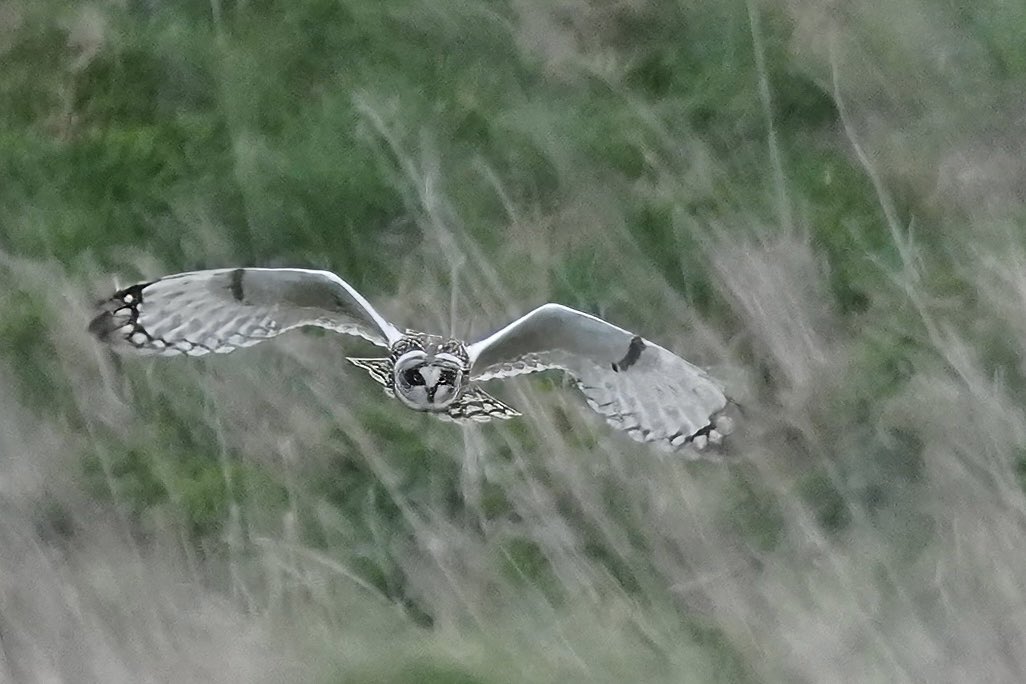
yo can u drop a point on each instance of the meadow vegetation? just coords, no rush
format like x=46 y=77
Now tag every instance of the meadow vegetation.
x=823 y=203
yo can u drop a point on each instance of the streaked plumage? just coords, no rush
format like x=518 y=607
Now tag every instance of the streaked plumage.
x=641 y=388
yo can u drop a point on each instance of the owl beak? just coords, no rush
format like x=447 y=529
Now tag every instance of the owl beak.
x=431 y=375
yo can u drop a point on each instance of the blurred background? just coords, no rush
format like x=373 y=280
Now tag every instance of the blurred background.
x=823 y=203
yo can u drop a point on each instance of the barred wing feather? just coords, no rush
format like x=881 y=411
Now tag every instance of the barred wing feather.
x=223 y=309
x=641 y=388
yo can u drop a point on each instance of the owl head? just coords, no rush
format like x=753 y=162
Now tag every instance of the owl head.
x=428 y=381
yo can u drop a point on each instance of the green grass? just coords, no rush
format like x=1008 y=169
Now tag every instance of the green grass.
x=269 y=516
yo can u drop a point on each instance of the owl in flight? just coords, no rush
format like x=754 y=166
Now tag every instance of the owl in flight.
x=640 y=388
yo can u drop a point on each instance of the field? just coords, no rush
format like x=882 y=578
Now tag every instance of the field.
x=822 y=203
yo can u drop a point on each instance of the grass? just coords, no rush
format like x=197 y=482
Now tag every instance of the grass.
x=823 y=208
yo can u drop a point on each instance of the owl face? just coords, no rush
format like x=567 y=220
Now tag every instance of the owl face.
x=428 y=382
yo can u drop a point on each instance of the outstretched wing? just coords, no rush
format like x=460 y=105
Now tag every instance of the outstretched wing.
x=641 y=388
x=224 y=309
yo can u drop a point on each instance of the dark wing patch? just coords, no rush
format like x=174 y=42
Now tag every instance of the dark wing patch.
x=634 y=350
x=236 y=283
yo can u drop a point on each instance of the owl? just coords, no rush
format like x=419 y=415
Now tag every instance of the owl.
x=639 y=387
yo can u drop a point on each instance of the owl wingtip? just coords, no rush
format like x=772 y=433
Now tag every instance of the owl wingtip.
x=102 y=325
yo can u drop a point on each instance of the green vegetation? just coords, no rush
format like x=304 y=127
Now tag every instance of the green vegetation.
x=825 y=208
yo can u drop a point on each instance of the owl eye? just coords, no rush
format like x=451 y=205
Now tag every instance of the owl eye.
x=413 y=377
x=447 y=378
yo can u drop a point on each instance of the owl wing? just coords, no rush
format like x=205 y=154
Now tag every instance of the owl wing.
x=224 y=309
x=641 y=388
